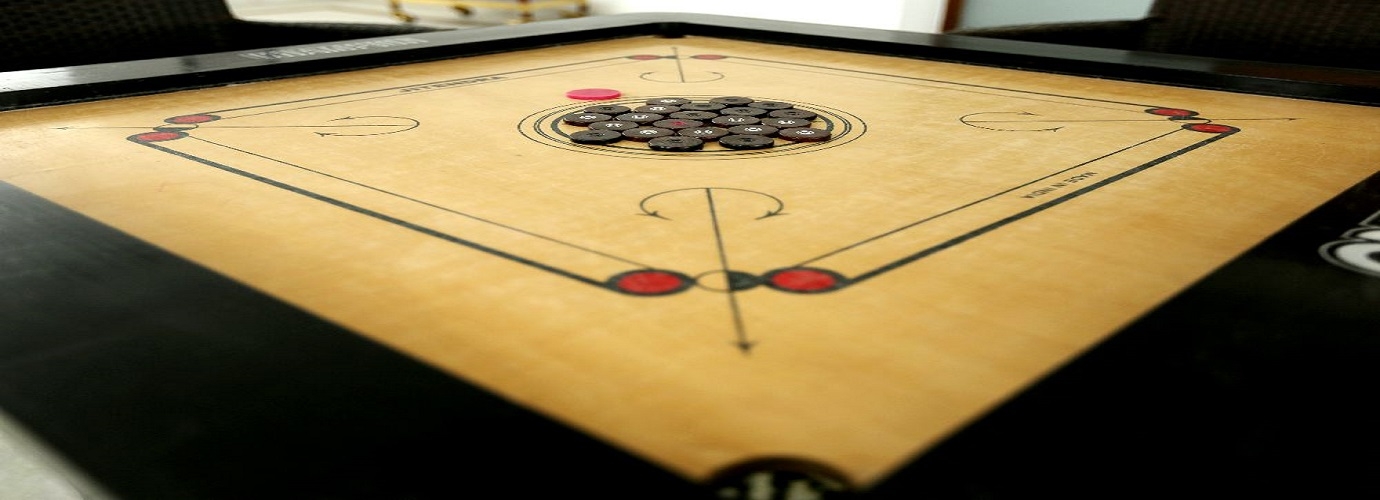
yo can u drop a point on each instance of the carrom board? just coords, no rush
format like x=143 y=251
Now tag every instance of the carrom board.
x=789 y=322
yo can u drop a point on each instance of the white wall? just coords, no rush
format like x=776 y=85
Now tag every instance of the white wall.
x=985 y=13
x=911 y=15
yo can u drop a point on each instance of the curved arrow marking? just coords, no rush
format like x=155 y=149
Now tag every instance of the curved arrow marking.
x=709 y=196
x=1013 y=117
x=405 y=125
x=682 y=78
x=775 y=207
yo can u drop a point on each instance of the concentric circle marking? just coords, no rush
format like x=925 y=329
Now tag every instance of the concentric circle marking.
x=545 y=127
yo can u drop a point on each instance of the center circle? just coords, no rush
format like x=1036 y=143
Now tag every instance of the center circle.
x=547 y=127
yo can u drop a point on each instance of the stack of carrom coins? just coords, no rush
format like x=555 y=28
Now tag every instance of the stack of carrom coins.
x=682 y=125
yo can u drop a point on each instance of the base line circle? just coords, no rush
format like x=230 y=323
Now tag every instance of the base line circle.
x=727 y=281
x=804 y=280
x=650 y=282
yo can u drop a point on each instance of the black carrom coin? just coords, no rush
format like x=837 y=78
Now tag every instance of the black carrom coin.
x=608 y=109
x=661 y=109
x=794 y=113
x=676 y=143
x=640 y=118
x=583 y=119
x=704 y=133
x=732 y=100
x=765 y=130
x=746 y=142
x=695 y=115
x=600 y=136
x=613 y=125
x=668 y=101
x=644 y=134
x=787 y=122
x=702 y=106
x=732 y=121
x=771 y=105
x=803 y=134
x=743 y=111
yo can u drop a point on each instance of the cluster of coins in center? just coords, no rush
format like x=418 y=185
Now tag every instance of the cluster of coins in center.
x=681 y=125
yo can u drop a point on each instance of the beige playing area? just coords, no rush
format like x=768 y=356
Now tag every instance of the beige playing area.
x=984 y=227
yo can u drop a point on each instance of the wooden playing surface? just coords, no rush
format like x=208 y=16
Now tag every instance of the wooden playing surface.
x=983 y=226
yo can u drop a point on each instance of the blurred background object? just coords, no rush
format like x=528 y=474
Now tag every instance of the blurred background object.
x=74 y=32
x=1339 y=33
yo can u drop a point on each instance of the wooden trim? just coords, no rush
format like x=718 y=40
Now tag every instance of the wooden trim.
x=953 y=15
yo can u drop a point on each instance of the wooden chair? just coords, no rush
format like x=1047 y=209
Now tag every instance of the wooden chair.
x=45 y=34
x=1341 y=33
